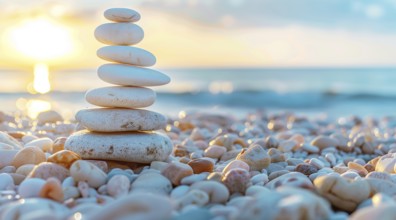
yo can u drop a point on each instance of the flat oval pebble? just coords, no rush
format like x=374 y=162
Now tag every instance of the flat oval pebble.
x=122 y=97
x=119 y=34
x=121 y=15
x=28 y=155
x=127 y=75
x=127 y=55
x=114 y=120
x=86 y=171
x=139 y=147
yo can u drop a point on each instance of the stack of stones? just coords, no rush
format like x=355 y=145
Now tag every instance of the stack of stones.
x=119 y=130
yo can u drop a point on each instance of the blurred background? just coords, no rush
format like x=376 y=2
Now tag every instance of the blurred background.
x=232 y=56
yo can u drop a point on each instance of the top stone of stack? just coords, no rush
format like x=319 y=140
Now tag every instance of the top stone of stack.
x=121 y=15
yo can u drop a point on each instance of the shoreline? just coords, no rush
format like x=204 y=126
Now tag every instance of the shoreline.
x=329 y=168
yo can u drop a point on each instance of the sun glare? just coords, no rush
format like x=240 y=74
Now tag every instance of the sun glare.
x=41 y=82
x=41 y=39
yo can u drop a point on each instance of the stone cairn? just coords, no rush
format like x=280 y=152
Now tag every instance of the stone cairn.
x=119 y=130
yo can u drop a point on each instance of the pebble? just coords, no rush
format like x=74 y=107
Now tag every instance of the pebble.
x=6 y=157
x=127 y=75
x=175 y=172
x=118 y=186
x=48 y=117
x=201 y=165
x=127 y=55
x=45 y=144
x=59 y=144
x=7 y=139
x=25 y=169
x=387 y=211
x=52 y=189
x=121 y=15
x=256 y=157
x=236 y=164
x=28 y=155
x=118 y=120
x=121 y=97
x=306 y=169
x=217 y=192
x=130 y=147
x=293 y=179
x=6 y=182
x=86 y=171
x=215 y=151
x=323 y=142
x=342 y=193
x=64 y=158
x=193 y=197
x=237 y=180
x=134 y=207
x=31 y=187
x=46 y=170
x=152 y=182
x=119 y=34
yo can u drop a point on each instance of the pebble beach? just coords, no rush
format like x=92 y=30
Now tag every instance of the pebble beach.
x=119 y=159
x=261 y=166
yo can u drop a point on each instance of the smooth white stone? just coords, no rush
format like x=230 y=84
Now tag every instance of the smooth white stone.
x=48 y=117
x=121 y=15
x=115 y=120
x=88 y=172
x=127 y=55
x=122 y=97
x=119 y=34
x=30 y=187
x=152 y=182
x=127 y=75
x=139 y=147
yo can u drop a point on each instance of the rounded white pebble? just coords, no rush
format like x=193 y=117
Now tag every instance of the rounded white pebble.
x=127 y=55
x=127 y=75
x=121 y=15
x=30 y=187
x=119 y=34
x=86 y=171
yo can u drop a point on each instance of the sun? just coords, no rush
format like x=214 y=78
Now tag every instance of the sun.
x=41 y=39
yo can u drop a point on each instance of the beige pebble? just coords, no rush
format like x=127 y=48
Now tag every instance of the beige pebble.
x=59 y=144
x=256 y=157
x=175 y=172
x=386 y=163
x=48 y=117
x=103 y=165
x=343 y=193
x=46 y=170
x=64 y=158
x=217 y=192
x=52 y=189
x=45 y=144
x=379 y=175
x=359 y=168
x=7 y=139
x=293 y=179
x=323 y=142
x=118 y=186
x=236 y=164
x=86 y=171
x=215 y=151
x=25 y=169
x=159 y=165
x=28 y=155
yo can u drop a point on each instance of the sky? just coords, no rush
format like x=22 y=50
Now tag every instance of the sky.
x=207 y=33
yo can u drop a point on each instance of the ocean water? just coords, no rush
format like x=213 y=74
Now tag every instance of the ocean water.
x=335 y=92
